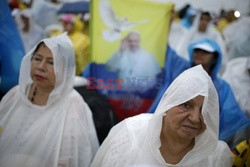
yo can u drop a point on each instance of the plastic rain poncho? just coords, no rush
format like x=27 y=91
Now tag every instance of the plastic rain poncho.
x=35 y=33
x=136 y=140
x=58 y=133
x=237 y=38
x=237 y=75
x=193 y=35
x=45 y=13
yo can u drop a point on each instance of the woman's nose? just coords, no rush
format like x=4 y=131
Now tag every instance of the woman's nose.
x=41 y=65
x=194 y=115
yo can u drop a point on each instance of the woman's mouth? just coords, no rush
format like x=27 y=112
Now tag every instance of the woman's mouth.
x=190 y=127
x=39 y=77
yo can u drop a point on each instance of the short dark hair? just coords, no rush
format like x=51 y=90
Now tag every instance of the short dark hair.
x=206 y=14
x=37 y=47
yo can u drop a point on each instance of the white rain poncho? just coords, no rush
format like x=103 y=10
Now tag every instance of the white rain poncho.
x=175 y=34
x=35 y=33
x=45 y=13
x=59 y=133
x=193 y=35
x=237 y=38
x=136 y=141
x=237 y=75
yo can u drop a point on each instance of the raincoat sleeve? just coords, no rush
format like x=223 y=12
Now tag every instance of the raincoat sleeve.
x=79 y=142
x=232 y=118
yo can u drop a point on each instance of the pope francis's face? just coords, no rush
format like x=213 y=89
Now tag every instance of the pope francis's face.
x=185 y=121
x=42 y=68
x=133 y=42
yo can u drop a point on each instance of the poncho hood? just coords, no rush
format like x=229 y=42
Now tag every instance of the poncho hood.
x=191 y=83
x=64 y=67
x=215 y=47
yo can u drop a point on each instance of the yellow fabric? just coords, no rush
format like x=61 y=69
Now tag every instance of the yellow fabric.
x=78 y=24
x=86 y=28
x=223 y=23
x=242 y=156
x=81 y=46
x=54 y=33
x=22 y=6
x=150 y=18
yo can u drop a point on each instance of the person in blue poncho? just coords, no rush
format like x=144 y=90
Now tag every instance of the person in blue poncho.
x=188 y=19
x=208 y=53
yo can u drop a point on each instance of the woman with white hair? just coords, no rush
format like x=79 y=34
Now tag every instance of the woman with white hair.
x=44 y=121
x=183 y=131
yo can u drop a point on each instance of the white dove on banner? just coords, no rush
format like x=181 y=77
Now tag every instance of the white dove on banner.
x=116 y=25
x=159 y=1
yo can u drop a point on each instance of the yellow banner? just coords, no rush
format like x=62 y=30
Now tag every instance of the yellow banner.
x=112 y=21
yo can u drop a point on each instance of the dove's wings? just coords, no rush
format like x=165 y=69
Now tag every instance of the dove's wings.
x=159 y=1
x=107 y=14
x=116 y=25
x=128 y=25
x=111 y=35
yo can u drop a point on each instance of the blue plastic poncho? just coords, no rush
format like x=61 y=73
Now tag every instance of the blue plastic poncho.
x=11 y=49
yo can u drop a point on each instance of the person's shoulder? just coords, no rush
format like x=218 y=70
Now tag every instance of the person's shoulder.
x=221 y=84
x=222 y=150
x=222 y=155
x=144 y=52
x=224 y=89
x=222 y=146
x=10 y=95
x=138 y=122
x=140 y=117
x=134 y=124
x=127 y=132
x=235 y=67
x=74 y=96
x=13 y=91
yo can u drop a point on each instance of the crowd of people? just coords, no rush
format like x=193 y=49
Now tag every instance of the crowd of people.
x=200 y=116
x=33 y=27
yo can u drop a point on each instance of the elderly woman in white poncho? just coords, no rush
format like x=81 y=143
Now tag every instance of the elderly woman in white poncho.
x=183 y=131
x=44 y=121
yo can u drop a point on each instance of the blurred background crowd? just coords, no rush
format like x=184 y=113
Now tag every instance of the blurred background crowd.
x=229 y=27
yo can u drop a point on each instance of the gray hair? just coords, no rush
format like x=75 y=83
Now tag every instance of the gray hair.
x=134 y=33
